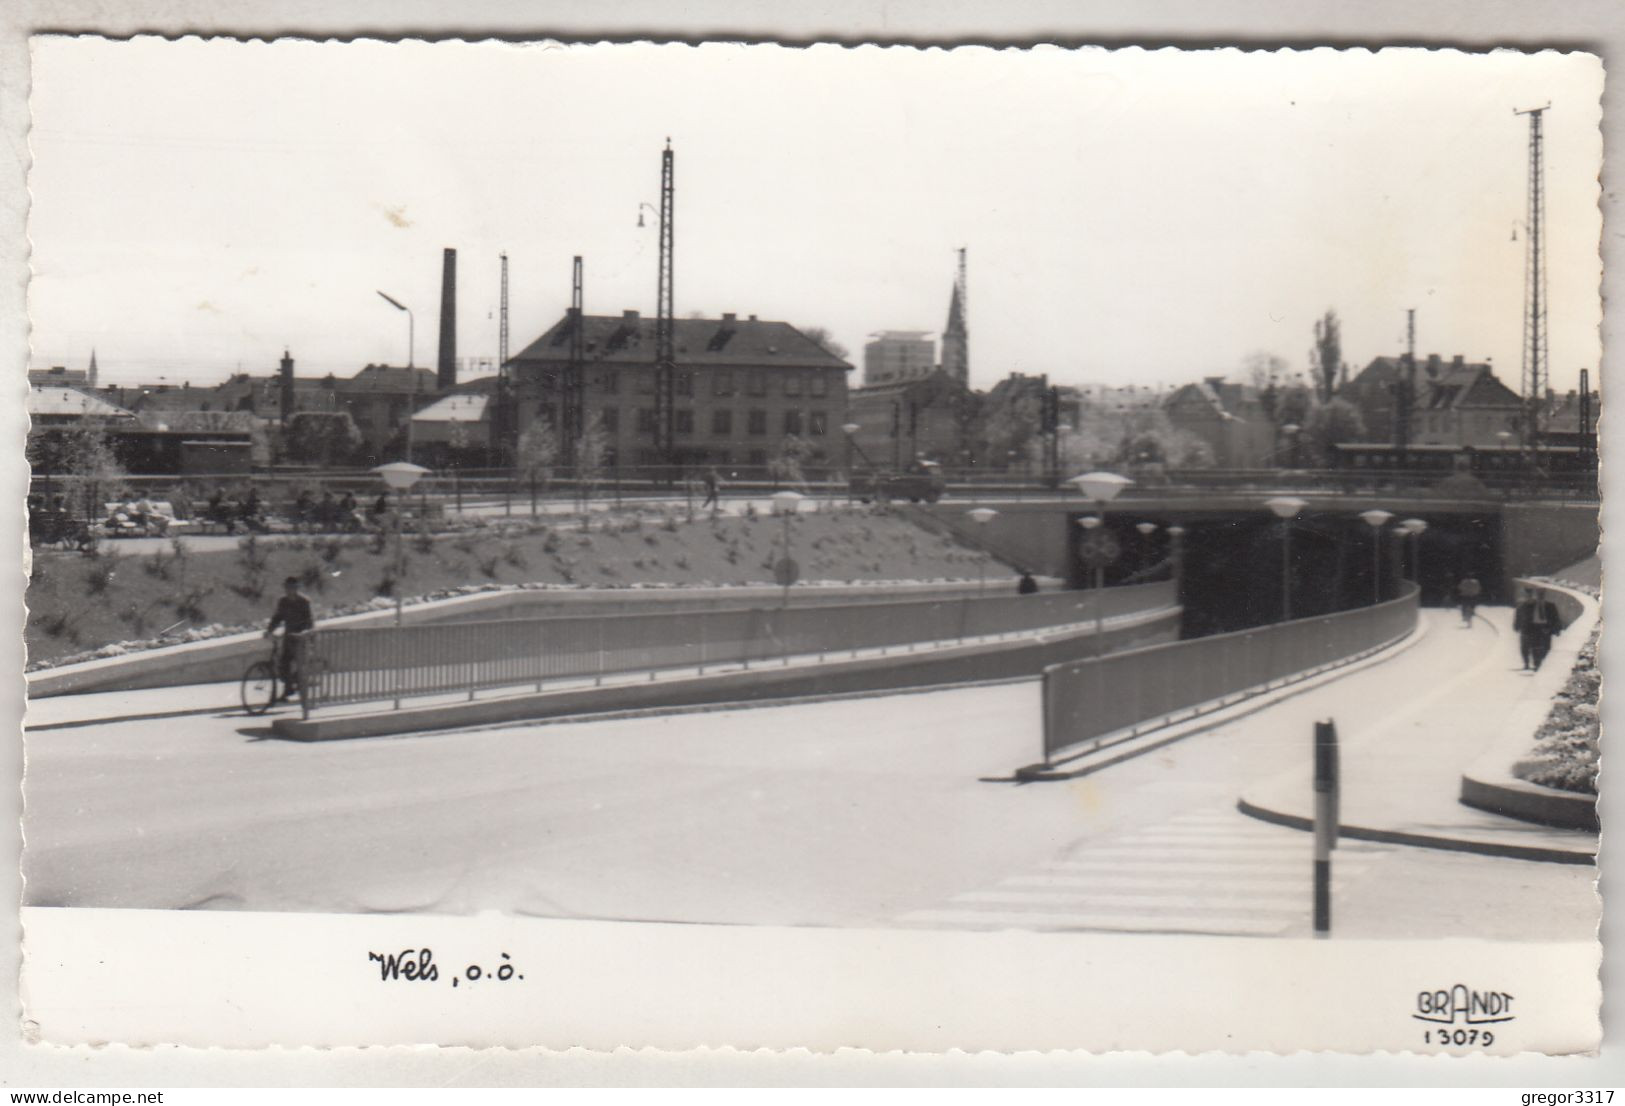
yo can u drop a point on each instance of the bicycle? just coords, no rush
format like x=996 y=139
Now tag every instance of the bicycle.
x=262 y=684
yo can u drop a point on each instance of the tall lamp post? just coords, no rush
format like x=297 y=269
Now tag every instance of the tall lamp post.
x=849 y=429
x=1290 y=432
x=411 y=337
x=785 y=504
x=982 y=516
x=1090 y=523
x=1376 y=518
x=1100 y=488
x=411 y=366
x=399 y=477
x=1176 y=551
x=1412 y=528
x=1286 y=508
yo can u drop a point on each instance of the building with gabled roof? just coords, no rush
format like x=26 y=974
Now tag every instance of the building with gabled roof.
x=746 y=390
x=1231 y=418
x=51 y=405
x=1455 y=402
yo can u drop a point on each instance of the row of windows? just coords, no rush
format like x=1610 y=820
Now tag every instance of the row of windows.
x=811 y=423
x=724 y=382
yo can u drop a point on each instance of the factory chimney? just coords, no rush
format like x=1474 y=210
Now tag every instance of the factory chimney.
x=286 y=380
x=447 y=367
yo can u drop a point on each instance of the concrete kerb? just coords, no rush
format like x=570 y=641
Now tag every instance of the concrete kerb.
x=1424 y=840
x=1130 y=743
x=1489 y=783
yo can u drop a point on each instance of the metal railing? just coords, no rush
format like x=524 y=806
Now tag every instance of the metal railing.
x=372 y=663
x=1088 y=700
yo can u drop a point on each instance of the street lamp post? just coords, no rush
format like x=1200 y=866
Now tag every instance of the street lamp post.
x=1097 y=584
x=1286 y=508
x=1176 y=536
x=1100 y=488
x=399 y=478
x=411 y=367
x=411 y=337
x=1413 y=528
x=785 y=504
x=1376 y=518
x=849 y=429
x=1146 y=529
x=982 y=516
x=1290 y=430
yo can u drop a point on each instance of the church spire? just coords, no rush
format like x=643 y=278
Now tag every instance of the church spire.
x=955 y=339
x=90 y=376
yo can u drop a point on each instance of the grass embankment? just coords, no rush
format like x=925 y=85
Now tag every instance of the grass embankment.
x=114 y=602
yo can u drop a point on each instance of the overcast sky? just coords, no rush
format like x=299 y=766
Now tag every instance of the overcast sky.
x=1130 y=217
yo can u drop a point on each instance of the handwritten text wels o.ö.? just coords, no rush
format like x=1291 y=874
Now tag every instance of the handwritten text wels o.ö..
x=418 y=966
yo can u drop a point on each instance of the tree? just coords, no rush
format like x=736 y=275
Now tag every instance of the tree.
x=321 y=437
x=534 y=454
x=592 y=450
x=794 y=451
x=1013 y=427
x=1327 y=354
x=1293 y=405
x=85 y=460
x=1264 y=369
x=822 y=336
x=1331 y=424
x=536 y=450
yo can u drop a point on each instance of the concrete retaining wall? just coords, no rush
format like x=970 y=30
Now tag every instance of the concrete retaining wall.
x=962 y=664
x=1506 y=795
x=1539 y=539
x=223 y=659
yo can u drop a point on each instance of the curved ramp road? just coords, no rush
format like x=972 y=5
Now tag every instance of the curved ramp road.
x=861 y=812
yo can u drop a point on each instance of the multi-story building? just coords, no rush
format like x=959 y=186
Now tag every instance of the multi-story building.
x=894 y=356
x=1455 y=403
x=747 y=391
x=1231 y=418
x=931 y=418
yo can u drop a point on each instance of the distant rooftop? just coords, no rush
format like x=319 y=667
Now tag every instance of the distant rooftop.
x=629 y=339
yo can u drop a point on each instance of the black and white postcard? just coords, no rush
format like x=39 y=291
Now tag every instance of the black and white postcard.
x=926 y=549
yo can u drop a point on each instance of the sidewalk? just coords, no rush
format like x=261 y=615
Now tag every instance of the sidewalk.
x=1402 y=766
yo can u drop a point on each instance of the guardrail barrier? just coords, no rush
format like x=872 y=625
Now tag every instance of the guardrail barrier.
x=369 y=663
x=1085 y=701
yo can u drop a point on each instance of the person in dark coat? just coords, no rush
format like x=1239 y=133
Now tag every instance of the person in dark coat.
x=1028 y=585
x=712 y=484
x=1536 y=622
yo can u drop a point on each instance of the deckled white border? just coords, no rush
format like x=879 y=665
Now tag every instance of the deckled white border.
x=1496 y=22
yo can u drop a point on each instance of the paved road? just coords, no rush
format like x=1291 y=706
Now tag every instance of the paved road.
x=858 y=812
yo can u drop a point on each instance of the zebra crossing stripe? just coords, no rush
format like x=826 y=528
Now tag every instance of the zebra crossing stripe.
x=1183 y=886
x=1098 y=901
x=1219 y=925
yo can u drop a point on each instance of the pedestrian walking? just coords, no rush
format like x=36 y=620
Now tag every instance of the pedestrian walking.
x=1536 y=622
x=1027 y=585
x=712 y=484
x=1468 y=593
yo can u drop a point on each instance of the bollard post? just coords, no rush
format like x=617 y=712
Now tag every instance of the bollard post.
x=1326 y=818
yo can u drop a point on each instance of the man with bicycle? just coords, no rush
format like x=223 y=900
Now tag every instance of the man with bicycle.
x=1468 y=593
x=294 y=615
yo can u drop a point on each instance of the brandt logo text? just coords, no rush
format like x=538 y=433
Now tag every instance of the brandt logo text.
x=1459 y=1005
